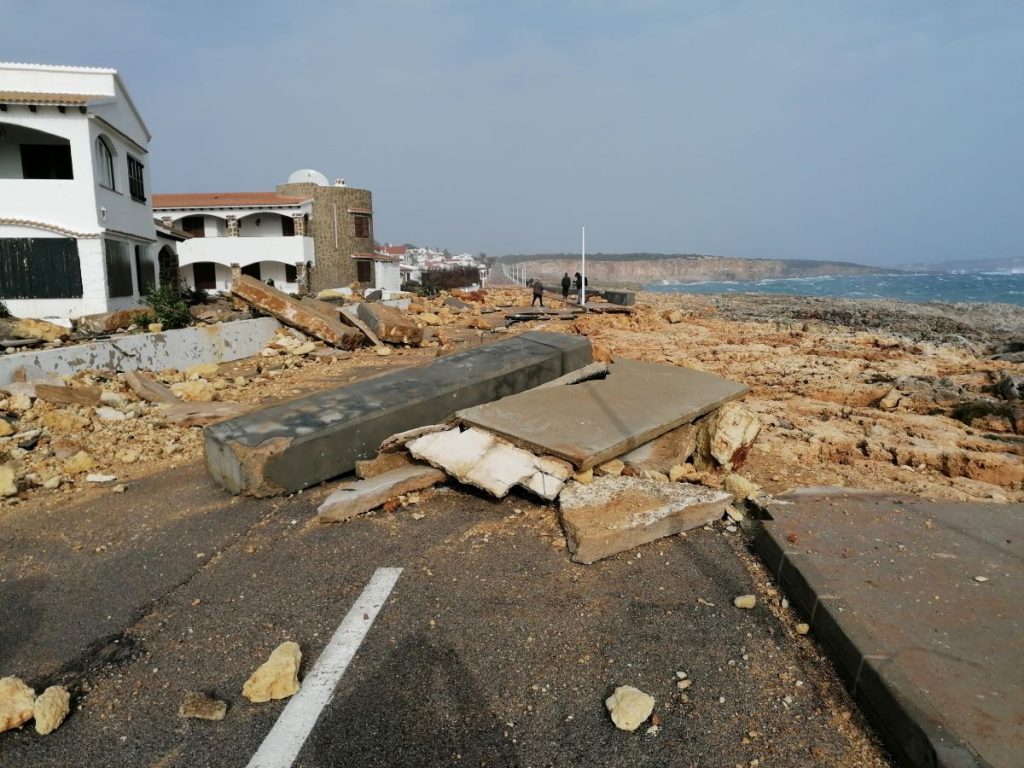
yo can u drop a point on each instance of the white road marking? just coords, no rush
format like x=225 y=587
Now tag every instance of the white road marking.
x=281 y=746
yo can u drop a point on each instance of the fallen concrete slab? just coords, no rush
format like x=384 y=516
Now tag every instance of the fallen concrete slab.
x=598 y=420
x=615 y=514
x=313 y=438
x=350 y=316
x=665 y=451
x=289 y=311
x=389 y=324
x=486 y=462
x=363 y=495
x=199 y=414
x=178 y=349
x=919 y=605
x=68 y=395
x=149 y=390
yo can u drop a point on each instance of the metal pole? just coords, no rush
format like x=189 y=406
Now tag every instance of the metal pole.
x=583 y=277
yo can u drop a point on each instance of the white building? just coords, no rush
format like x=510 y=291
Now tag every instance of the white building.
x=76 y=223
x=260 y=232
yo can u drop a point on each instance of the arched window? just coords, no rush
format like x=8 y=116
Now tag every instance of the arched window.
x=104 y=163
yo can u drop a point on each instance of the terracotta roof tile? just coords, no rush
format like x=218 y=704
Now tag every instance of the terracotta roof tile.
x=223 y=200
x=26 y=97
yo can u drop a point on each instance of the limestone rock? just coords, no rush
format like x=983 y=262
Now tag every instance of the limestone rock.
x=64 y=421
x=611 y=468
x=51 y=708
x=155 y=327
x=16 y=700
x=106 y=413
x=79 y=463
x=278 y=677
x=198 y=391
x=6 y=430
x=28 y=328
x=201 y=371
x=614 y=514
x=802 y=628
x=202 y=707
x=8 y=480
x=68 y=395
x=890 y=400
x=381 y=463
x=675 y=316
x=740 y=487
x=745 y=601
x=726 y=436
x=429 y=318
x=586 y=477
x=629 y=707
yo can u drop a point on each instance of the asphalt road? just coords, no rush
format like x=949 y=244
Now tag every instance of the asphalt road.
x=493 y=649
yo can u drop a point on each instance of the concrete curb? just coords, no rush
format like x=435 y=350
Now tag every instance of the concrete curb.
x=915 y=734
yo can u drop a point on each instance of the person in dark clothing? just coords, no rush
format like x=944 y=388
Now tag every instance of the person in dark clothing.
x=566 y=282
x=538 y=292
x=578 y=285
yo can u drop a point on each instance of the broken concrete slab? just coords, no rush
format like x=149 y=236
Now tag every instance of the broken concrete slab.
x=363 y=495
x=665 y=451
x=390 y=324
x=312 y=438
x=199 y=414
x=615 y=514
x=398 y=441
x=149 y=390
x=68 y=395
x=586 y=373
x=296 y=314
x=491 y=464
x=381 y=463
x=601 y=419
x=350 y=316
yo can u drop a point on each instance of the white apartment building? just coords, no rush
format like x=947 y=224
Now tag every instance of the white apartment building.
x=76 y=222
x=265 y=234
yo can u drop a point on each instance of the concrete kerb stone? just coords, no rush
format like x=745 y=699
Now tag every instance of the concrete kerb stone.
x=313 y=438
x=912 y=731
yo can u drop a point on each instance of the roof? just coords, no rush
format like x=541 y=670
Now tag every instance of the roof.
x=63 y=99
x=224 y=200
x=394 y=250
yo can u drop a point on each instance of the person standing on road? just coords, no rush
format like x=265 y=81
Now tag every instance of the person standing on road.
x=566 y=282
x=578 y=284
x=538 y=292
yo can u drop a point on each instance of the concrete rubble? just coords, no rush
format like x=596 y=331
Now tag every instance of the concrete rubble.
x=390 y=324
x=616 y=514
x=354 y=498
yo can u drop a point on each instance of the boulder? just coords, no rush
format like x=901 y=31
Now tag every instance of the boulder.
x=197 y=391
x=725 y=437
x=629 y=707
x=108 y=322
x=51 y=708
x=390 y=324
x=278 y=677
x=16 y=700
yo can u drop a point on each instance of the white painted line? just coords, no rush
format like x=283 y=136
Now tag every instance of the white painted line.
x=289 y=733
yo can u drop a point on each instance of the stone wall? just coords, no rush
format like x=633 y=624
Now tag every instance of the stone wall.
x=333 y=231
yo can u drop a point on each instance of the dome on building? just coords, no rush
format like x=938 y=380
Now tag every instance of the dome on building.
x=307 y=175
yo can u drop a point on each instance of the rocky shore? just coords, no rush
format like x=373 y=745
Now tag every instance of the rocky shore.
x=879 y=394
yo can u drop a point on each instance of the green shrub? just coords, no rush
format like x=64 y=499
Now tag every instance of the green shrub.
x=169 y=306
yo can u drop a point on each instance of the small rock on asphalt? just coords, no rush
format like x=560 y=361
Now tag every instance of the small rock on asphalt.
x=16 y=700
x=629 y=707
x=202 y=707
x=51 y=708
x=745 y=601
x=278 y=677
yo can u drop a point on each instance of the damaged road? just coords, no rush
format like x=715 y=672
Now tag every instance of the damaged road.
x=492 y=649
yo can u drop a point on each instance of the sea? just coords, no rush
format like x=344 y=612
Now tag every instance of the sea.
x=1002 y=287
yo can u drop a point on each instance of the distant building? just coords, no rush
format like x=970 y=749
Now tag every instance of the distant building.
x=306 y=236
x=76 y=223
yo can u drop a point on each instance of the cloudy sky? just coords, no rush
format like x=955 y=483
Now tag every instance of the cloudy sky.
x=880 y=132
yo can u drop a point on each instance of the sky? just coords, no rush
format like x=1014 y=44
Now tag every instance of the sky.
x=871 y=131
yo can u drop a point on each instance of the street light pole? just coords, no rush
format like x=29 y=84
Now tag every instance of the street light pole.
x=583 y=259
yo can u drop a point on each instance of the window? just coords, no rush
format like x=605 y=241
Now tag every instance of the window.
x=364 y=271
x=194 y=225
x=253 y=270
x=291 y=274
x=104 y=164
x=145 y=269
x=288 y=227
x=361 y=223
x=205 y=273
x=119 y=268
x=46 y=161
x=136 y=185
